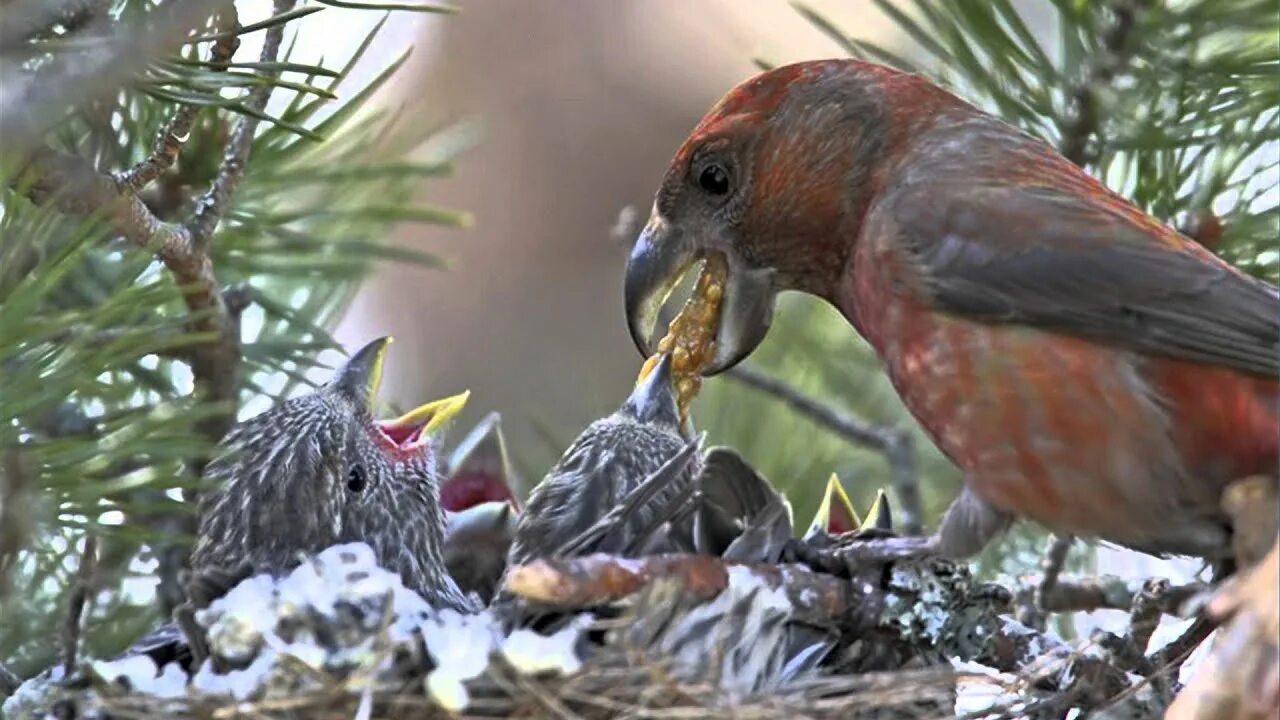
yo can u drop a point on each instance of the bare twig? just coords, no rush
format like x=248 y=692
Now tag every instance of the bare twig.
x=895 y=443
x=1084 y=122
x=1027 y=600
x=173 y=136
x=1055 y=556
x=1169 y=658
x=80 y=591
x=210 y=208
x=1108 y=592
x=1145 y=613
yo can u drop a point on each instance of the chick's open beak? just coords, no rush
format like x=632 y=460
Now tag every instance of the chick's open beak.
x=360 y=378
x=836 y=514
x=434 y=415
x=661 y=256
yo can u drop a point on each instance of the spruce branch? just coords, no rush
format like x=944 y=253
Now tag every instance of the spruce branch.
x=895 y=444
x=75 y=187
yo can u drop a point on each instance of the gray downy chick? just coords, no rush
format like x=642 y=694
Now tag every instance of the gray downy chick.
x=312 y=472
x=319 y=470
x=740 y=517
x=603 y=466
x=476 y=543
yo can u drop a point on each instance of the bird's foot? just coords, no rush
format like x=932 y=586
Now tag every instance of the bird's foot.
x=202 y=587
x=185 y=616
x=854 y=554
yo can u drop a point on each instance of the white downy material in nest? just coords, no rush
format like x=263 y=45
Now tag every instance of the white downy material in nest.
x=337 y=616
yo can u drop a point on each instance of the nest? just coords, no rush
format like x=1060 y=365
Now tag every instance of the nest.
x=605 y=688
x=660 y=637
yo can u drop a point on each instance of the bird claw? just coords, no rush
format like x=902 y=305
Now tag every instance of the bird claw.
x=185 y=616
x=202 y=587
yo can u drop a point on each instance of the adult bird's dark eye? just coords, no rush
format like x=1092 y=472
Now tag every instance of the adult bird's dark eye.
x=714 y=179
x=355 y=479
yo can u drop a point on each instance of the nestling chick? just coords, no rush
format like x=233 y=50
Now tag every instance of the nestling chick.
x=741 y=517
x=476 y=543
x=481 y=500
x=319 y=470
x=605 y=464
x=479 y=470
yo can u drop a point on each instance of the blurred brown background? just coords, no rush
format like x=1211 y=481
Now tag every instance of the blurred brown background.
x=582 y=104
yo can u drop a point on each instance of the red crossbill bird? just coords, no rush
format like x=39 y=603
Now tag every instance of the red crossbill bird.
x=835 y=514
x=604 y=465
x=1083 y=364
x=476 y=543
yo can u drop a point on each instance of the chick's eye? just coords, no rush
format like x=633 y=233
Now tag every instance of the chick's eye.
x=714 y=179
x=356 y=479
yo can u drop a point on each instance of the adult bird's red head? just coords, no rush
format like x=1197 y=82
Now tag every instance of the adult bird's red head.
x=762 y=180
x=1024 y=312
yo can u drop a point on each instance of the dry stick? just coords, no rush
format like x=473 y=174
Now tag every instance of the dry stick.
x=80 y=590
x=1034 y=612
x=1108 y=592
x=1055 y=557
x=896 y=444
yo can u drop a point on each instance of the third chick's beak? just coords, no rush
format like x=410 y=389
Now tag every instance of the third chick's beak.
x=360 y=379
x=653 y=400
x=662 y=254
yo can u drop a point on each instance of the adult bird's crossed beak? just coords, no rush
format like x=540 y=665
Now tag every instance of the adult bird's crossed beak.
x=662 y=254
x=361 y=377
